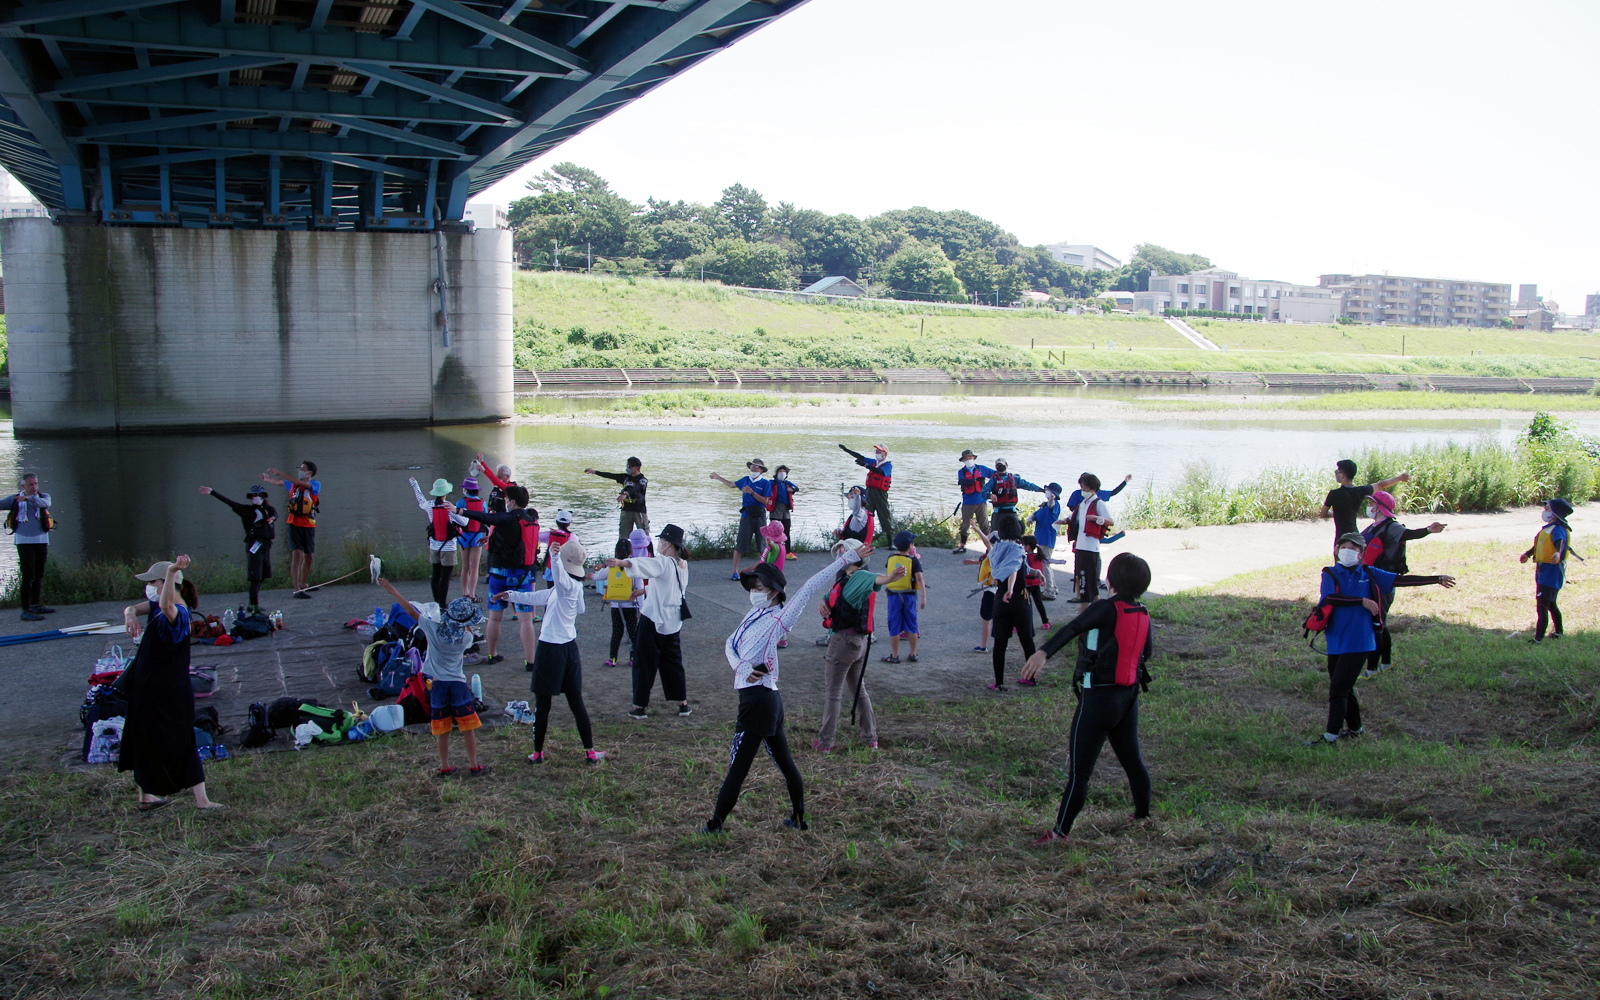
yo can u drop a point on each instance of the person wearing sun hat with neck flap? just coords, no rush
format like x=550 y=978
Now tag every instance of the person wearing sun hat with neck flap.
x=753 y=509
x=444 y=526
x=557 y=668
x=449 y=632
x=973 y=479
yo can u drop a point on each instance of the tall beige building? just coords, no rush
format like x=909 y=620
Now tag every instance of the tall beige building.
x=1391 y=298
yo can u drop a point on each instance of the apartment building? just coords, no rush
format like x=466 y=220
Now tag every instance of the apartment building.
x=1090 y=258
x=1225 y=291
x=1390 y=298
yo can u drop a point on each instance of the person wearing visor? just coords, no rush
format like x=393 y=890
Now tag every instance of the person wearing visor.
x=753 y=508
x=260 y=519
x=752 y=653
x=1353 y=591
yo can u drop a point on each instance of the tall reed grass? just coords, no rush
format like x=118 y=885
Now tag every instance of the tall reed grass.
x=1548 y=462
x=112 y=580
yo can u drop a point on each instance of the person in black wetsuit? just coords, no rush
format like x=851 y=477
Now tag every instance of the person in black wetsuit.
x=1114 y=643
x=260 y=520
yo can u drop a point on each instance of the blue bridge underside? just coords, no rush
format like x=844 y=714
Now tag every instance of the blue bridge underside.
x=322 y=114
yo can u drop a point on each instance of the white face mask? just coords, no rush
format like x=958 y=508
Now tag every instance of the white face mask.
x=1349 y=557
x=1548 y=517
x=152 y=592
x=759 y=598
x=782 y=475
x=969 y=463
x=258 y=499
x=855 y=502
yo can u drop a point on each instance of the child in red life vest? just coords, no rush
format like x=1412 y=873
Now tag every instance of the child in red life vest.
x=1037 y=562
x=472 y=539
x=1114 y=643
x=444 y=527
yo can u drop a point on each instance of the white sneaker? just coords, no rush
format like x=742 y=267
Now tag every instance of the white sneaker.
x=515 y=709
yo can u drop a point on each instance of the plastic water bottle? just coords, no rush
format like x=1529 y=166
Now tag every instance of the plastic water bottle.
x=376 y=621
x=228 y=618
x=477 y=687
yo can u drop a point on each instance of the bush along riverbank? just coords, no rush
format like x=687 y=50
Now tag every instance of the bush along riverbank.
x=1549 y=460
x=111 y=580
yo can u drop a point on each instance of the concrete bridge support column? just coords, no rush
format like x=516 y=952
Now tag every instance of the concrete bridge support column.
x=122 y=329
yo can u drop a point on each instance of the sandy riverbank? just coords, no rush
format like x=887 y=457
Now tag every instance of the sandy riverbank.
x=827 y=409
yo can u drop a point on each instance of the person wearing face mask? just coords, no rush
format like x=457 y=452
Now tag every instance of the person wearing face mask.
x=753 y=508
x=260 y=528
x=858 y=523
x=880 y=474
x=1550 y=549
x=1353 y=592
x=660 y=646
x=752 y=652
x=1386 y=549
x=1003 y=489
x=973 y=479
x=783 y=491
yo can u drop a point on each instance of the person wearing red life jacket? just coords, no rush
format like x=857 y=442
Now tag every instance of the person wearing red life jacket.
x=472 y=539
x=880 y=475
x=444 y=527
x=513 y=549
x=973 y=480
x=1003 y=487
x=1114 y=644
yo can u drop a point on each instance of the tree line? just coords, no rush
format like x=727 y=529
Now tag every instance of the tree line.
x=574 y=220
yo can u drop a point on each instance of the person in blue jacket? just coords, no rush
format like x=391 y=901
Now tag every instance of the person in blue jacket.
x=753 y=509
x=1354 y=592
x=1044 y=534
x=973 y=480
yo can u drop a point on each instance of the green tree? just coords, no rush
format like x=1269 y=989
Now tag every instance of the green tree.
x=574 y=207
x=955 y=231
x=678 y=239
x=921 y=271
x=744 y=209
x=740 y=262
x=1160 y=260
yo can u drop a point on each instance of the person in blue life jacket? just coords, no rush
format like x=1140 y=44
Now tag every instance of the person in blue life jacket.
x=1353 y=591
x=754 y=506
x=1003 y=487
x=973 y=481
x=1115 y=643
x=1549 y=552
x=1044 y=534
x=880 y=474
x=783 y=491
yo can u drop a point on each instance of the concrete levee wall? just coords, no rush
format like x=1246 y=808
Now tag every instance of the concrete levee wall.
x=127 y=329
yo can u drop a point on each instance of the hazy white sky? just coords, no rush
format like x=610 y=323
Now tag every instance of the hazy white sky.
x=1451 y=139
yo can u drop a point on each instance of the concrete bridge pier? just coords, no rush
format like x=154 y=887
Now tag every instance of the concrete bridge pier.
x=128 y=329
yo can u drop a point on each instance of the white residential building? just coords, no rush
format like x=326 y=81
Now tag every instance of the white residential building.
x=486 y=215
x=1217 y=290
x=1090 y=258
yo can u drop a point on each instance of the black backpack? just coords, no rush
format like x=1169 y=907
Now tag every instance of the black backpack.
x=285 y=712
x=258 y=733
x=104 y=702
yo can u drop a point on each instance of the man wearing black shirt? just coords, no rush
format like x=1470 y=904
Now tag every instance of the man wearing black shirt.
x=1344 y=502
x=632 y=515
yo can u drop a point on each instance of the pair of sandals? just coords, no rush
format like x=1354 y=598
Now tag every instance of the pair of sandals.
x=891 y=658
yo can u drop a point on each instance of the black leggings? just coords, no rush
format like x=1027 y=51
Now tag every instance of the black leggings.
x=1343 y=709
x=624 y=619
x=1104 y=713
x=580 y=715
x=31 y=558
x=654 y=653
x=1385 y=642
x=1548 y=612
x=440 y=582
x=1038 y=602
x=255 y=592
x=757 y=707
x=1004 y=622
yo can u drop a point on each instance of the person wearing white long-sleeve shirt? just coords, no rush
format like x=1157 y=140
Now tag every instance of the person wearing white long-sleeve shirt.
x=752 y=652
x=667 y=580
x=556 y=666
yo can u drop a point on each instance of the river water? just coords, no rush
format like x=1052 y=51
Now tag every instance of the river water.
x=137 y=497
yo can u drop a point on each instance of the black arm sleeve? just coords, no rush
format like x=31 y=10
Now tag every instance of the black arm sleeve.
x=1412 y=534
x=1118 y=489
x=620 y=477
x=851 y=451
x=238 y=508
x=1416 y=581
x=1101 y=614
x=489 y=517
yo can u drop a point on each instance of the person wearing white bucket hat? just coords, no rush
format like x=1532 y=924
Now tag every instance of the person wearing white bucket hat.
x=557 y=668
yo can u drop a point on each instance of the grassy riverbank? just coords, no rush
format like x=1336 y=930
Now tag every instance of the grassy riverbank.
x=1445 y=854
x=572 y=320
x=101 y=580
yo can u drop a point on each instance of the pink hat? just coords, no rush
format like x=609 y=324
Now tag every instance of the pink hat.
x=773 y=530
x=1383 y=502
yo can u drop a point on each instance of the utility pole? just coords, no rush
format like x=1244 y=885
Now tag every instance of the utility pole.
x=588 y=248
x=555 y=252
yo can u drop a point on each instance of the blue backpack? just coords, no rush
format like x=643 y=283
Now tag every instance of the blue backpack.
x=391 y=663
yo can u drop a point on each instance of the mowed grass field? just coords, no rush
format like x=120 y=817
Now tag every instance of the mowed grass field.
x=1449 y=853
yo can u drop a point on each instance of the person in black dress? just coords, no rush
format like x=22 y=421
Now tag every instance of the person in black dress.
x=158 y=738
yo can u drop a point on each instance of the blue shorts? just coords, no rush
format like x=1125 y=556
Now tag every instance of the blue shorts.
x=509 y=581
x=471 y=539
x=903 y=612
x=451 y=701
